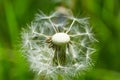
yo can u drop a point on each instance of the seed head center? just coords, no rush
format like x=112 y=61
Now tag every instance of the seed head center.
x=60 y=38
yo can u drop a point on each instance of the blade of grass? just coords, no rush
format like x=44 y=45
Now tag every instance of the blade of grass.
x=1 y=67
x=11 y=20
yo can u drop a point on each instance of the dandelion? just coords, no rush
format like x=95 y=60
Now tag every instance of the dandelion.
x=58 y=45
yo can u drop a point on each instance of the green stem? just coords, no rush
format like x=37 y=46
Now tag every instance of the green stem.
x=11 y=20
x=60 y=55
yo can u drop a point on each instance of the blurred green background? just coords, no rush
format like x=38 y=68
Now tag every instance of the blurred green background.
x=104 y=17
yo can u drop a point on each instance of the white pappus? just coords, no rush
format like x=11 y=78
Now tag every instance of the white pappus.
x=58 y=45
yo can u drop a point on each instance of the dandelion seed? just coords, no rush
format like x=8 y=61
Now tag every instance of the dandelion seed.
x=58 y=47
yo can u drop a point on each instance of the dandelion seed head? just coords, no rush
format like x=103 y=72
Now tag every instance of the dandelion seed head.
x=41 y=45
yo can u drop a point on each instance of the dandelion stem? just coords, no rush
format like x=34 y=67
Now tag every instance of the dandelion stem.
x=59 y=55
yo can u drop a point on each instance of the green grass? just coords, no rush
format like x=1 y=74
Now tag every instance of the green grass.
x=104 y=17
